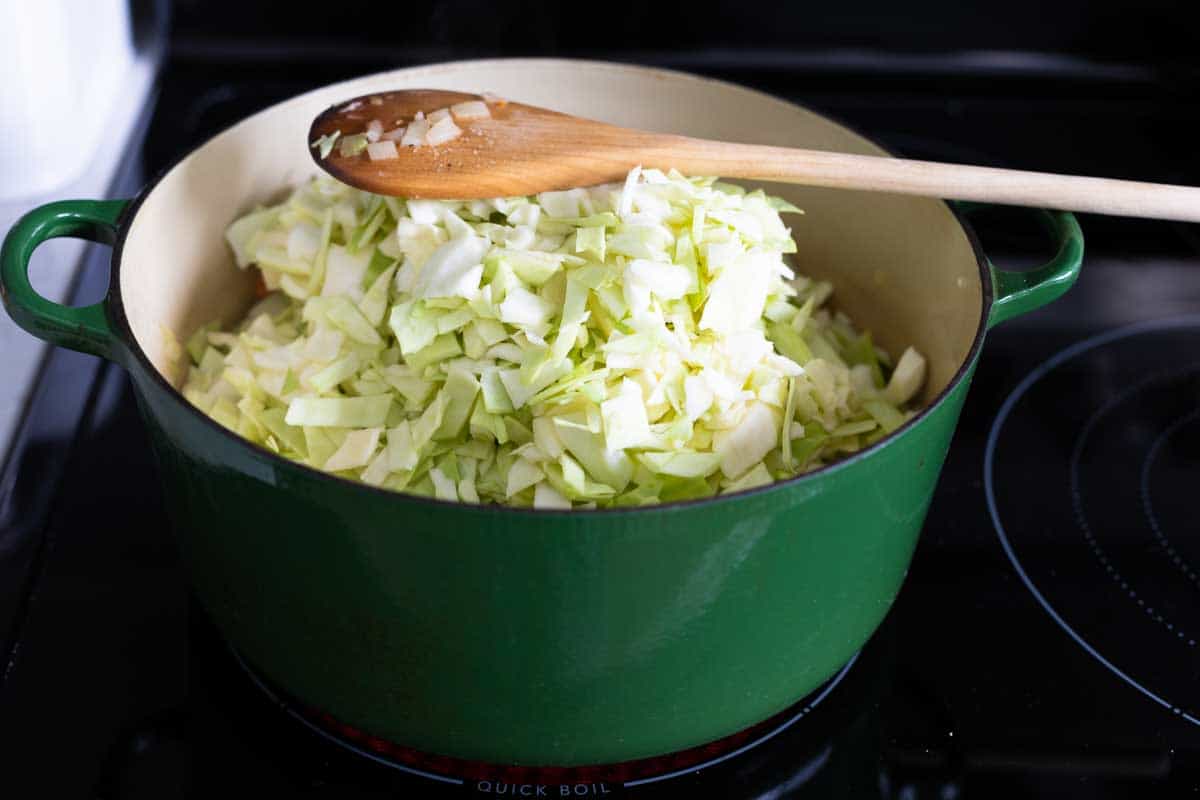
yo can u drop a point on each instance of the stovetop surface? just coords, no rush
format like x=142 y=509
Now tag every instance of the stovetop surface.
x=1017 y=661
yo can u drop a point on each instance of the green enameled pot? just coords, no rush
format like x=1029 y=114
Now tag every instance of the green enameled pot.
x=538 y=637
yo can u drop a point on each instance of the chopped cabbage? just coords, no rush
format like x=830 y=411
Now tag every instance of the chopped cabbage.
x=619 y=345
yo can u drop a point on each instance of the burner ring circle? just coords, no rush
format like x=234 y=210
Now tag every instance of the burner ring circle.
x=1081 y=518
x=1152 y=517
x=989 y=458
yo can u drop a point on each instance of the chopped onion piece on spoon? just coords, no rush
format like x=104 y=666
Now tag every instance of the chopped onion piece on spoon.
x=382 y=151
x=471 y=109
x=414 y=134
x=443 y=131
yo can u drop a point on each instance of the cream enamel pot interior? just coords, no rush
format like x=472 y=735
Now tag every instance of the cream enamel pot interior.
x=867 y=242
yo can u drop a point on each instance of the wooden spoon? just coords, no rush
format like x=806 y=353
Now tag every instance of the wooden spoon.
x=523 y=150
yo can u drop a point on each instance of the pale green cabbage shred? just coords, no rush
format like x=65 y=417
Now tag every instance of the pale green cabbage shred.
x=619 y=345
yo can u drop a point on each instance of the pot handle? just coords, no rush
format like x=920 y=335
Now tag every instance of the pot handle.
x=1017 y=292
x=85 y=329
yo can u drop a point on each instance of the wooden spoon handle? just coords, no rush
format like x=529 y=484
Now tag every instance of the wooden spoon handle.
x=931 y=179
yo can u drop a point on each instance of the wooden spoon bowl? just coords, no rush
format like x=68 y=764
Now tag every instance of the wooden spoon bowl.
x=502 y=156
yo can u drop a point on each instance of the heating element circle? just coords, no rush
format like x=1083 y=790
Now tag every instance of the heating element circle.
x=1089 y=472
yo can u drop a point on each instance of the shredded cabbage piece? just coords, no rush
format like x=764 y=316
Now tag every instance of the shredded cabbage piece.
x=619 y=345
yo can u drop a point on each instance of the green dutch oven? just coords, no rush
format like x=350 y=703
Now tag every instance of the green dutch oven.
x=538 y=637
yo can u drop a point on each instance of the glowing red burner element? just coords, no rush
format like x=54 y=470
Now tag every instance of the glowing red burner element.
x=481 y=771
x=639 y=770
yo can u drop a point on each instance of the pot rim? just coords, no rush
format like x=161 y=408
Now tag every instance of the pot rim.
x=115 y=309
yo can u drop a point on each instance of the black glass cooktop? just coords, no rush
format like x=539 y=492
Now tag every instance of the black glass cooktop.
x=1044 y=644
